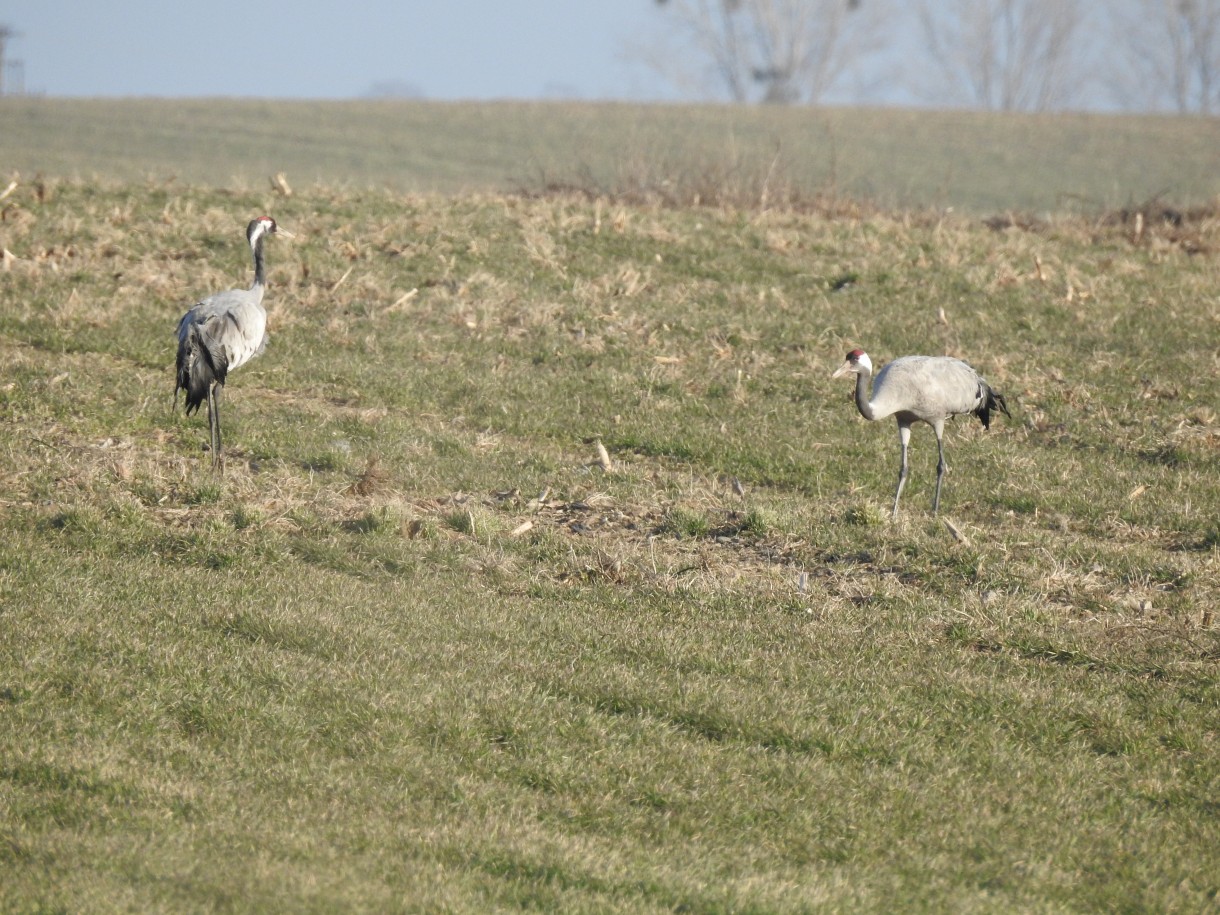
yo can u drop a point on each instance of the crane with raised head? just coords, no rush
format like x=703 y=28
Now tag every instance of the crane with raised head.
x=221 y=333
x=927 y=389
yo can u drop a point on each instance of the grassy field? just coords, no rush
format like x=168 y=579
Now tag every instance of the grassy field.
x=423 y=648
x=975 y=162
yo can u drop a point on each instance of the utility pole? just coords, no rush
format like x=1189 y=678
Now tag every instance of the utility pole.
x=5 y=34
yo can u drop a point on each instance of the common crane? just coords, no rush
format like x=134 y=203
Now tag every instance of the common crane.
x=221 y=333
x=921 y=388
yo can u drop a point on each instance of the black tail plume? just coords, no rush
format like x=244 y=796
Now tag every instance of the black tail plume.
x=993 y=400
x=201 y=364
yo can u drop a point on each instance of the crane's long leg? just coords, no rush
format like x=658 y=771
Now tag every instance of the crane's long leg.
x=214 y=427
x=904 y=439
x=940 y=464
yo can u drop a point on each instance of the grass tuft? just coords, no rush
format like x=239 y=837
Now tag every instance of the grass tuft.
x=684 y=522
x=865 y=514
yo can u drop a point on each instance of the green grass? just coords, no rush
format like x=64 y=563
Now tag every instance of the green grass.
x=971 y=161
x=420 y=650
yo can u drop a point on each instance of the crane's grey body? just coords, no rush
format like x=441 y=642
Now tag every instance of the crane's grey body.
x=221 y=333
x=926 y=389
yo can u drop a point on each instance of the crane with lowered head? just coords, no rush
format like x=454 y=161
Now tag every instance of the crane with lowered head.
x=222 y=332
x=927 y=389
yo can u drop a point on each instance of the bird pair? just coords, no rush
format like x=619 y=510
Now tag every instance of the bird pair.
x=226 y=330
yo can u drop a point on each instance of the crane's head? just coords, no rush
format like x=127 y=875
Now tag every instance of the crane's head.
x=857 y=363
x=264 y=225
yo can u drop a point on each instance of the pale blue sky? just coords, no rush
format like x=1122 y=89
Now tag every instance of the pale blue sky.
x=434 y=49
x=443 y=49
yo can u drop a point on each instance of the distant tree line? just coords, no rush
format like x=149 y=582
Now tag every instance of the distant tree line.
x=1001 y=55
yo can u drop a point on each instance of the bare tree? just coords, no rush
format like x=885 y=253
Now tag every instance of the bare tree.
x=1005 y=55
x=1172 y=56
x=780 y=51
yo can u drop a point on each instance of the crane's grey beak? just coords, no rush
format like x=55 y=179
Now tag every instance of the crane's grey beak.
x=283 y=233
x=842 y=370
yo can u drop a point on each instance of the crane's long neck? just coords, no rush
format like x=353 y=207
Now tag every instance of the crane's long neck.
x=260 y=269
x=863 y=377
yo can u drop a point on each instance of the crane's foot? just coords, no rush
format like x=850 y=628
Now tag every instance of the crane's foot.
x=216 y=464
